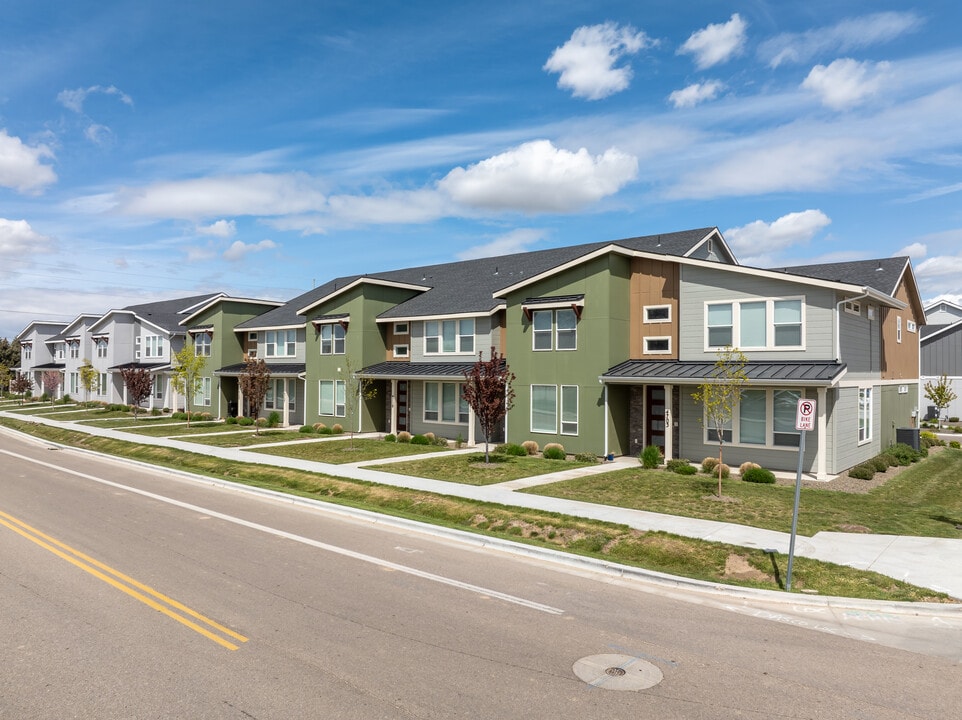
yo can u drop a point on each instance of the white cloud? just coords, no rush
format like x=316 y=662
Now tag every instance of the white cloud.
x=516 y=241
x=239 y=250
x=405 y=206
x=21 y=167
x=846 y=82
x=74 y=99
x=586 y=63
x=849 y=34
x=716 y=43
x=17 y=239
x=221 y=228
x=98 y=134
x=256 y=194
x=695 y=94
x=941 y=266
x=916 y=251
x=796 y=228
x=538 y=177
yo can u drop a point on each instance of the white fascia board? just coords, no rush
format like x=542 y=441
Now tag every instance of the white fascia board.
x=611 y=247
x=361 y=281
x=145 y=323
x=106 y=316
x=202 y=303
x=272 y=327
x=716 y=235
x=948 y=328
x=228 y=298
x=449 y=316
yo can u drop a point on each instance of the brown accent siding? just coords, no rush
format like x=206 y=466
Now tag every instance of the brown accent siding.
x=653 y=282
x=393 y=339
x=900 y=360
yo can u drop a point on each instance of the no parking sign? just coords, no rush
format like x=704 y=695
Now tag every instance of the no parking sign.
x=805 y=417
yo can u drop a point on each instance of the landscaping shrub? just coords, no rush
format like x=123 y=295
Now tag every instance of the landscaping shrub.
x=325 y=430
x=709 y=464
x=245 y=421
x=274 y=419
x=862 y=472
x=440 y=441
x=953 y=419
x=318 y=426
x=404 y=437
x=177 y=416
x=930 y=439
x=759 y=474
x=205 y=417
x=650 y=457
x=511 y=449
x=675 y=464
x=429 y=436
x=725 y=471
x=685 y=470
x=905 y=454
x=337 y=429
x=390 y=437
x=306 y=429
x=746 y=466
x=890 y=459
x=585 y=457
x=231 y=421
x=552 y=451
x=879 y=463
x=261 y=422
x=156 y=413
x=954 y=444
x=530 y=447
x=420 y=440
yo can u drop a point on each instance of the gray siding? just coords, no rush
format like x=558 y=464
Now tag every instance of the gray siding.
x=943 y=355
x=943 y=315
x=484 y=337
x=848 y=452
x=897 y=409
x=861 y=342
x=700 y=285
x=418 y=426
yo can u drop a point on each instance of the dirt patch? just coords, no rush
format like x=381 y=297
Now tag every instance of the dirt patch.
x=844 y=483
x=845 y=527
x=738 y=568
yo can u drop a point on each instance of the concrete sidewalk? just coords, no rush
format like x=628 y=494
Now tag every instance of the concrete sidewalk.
x=927 y=562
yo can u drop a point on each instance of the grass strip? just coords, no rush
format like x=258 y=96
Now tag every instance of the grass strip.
x=472 y=470
x=342 y=450
x=686 y=557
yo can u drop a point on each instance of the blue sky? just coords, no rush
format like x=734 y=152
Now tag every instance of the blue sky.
x=151 y=149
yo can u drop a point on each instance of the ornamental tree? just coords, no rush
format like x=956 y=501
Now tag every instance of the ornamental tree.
x=186 y=375
x=254 y=382
x=139 y=385
x=941 y=394
x=21 y=385
x=487 y=391
x=51 y=381
x=88 y=378
x=720 y=396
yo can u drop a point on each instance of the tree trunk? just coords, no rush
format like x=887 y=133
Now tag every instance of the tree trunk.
x=719 y=469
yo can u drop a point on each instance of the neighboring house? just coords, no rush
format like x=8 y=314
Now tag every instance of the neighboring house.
x=942 y=354
x=42 y=350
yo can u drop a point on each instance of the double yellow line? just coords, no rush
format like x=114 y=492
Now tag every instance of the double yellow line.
x=145 y=594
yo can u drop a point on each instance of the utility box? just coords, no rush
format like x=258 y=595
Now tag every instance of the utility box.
x=909 y=436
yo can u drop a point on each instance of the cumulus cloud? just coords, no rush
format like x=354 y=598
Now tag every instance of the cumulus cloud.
x=796 y=228
x=845 y=36
x=516 y=241
x=716 y=43
x=241 y=195
x=18 y=242
x=695 y=94
x=74 y=99
x=538 y=177
x=21 y=166
x=586 y=63
x=916 y=251
x=846 y=82
x=239 y=250
x=221 y=228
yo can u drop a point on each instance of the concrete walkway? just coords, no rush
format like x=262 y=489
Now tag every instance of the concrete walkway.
x=934 y=563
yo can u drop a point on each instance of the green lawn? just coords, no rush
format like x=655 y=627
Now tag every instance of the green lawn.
x=174 y=428
x=339 y=451
x=249 y=438
x=655 y=551
x=104 y=420
x=923 y=500
x=472 y=470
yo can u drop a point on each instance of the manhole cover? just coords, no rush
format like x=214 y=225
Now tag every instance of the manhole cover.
x=617 y=672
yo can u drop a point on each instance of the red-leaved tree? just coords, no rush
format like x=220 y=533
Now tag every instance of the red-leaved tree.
x=139 y=385
x=21 y=385
x=487 y=390
x=51 y=381
x=254 y=383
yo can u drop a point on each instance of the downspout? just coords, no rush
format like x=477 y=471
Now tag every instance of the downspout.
x=607 y=419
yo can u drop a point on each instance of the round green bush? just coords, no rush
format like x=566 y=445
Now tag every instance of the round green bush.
x=274 y=419
x=512 y=449
x=905 y=454
x=862 y=472
x=420 y=440
x=245 y=421
x=759 y=475
x=675 y=463
x=550 y=453
x=586 y=457
x=685 y=470
x=879 y=463
x=954 y=444
x=325 y=430
x=650 y=457
x=306 y=429
x=390 y=437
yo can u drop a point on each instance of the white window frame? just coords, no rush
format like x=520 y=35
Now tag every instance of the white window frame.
x=911 y=326
x=647 y=349
x=864 y=412
x=203 y=347
x=462 y=413
x=273 y=400
x=102 y=384
x=275 y=339
x=401 y=328
x=646 y=314
x=75 y=350
x=401 y=351
x=568 y=427
x=553 y=331
x=553 y=430
x=152 y=346
x=101 y=347
x=338 y=409
x=61 y=351
x=898 y=328
x=202 y=397
x=853 y=307
x=27 y=352
x=334 y=336
x=770 y=324
x=434 y=334
x=732 y=429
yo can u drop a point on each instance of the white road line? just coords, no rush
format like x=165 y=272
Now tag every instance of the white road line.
x=303 y=540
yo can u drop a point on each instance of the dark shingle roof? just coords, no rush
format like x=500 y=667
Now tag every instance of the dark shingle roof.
x=696 y=372
x=145 y=366
x=880 y=274
x=167 y=314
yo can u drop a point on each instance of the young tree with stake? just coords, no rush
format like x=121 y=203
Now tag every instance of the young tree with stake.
x=487 y=390
x=254 y=383
x=941 y=394
x=186 y=375
x=139 y=385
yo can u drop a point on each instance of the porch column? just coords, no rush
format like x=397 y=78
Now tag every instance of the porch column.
x=471 y=421
x=393 y=423
x=820 y=459
x=240 y=399
x=669 y=424
x=287 y=409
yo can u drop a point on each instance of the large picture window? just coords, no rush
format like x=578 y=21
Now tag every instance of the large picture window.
x=545 y=403
x=762 y=417
x=153 y=346
x=763 y=324
x=280 y=343
x=443 y=403
x=331 y=398
x=449 y=336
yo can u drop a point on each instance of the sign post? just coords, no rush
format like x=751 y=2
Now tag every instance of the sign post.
x=804 y=421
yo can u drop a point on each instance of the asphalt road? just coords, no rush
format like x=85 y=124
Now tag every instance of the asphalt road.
x=127 y=593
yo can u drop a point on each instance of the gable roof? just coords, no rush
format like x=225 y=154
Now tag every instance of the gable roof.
x=929 y=333
x=222 y=298
x=54 y=325
x=163 y=314
x=883 y=274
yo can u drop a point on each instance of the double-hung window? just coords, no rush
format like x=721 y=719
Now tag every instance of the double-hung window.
x=864 y=415
x=546 y=400
x=449 y=336
x=153 y=345
x=443 y=403
x=102 y=348
x=331 y=400
x=75 y=350
x=280 y=343
x=758 y=324
x=27 y=352
x=202 y=396
x=332 y=339
x=554 y=329
x=202 y=344
x=274 y=399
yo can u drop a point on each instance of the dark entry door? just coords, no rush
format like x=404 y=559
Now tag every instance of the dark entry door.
x=655 y=416
x=402 y=405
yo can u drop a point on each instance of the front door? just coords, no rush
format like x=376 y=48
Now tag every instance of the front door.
x=655 y=416
x=402 y=405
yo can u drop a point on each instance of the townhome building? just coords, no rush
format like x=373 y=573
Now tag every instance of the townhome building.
x=941 y=354
x=41 y=350
x=78 y=349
